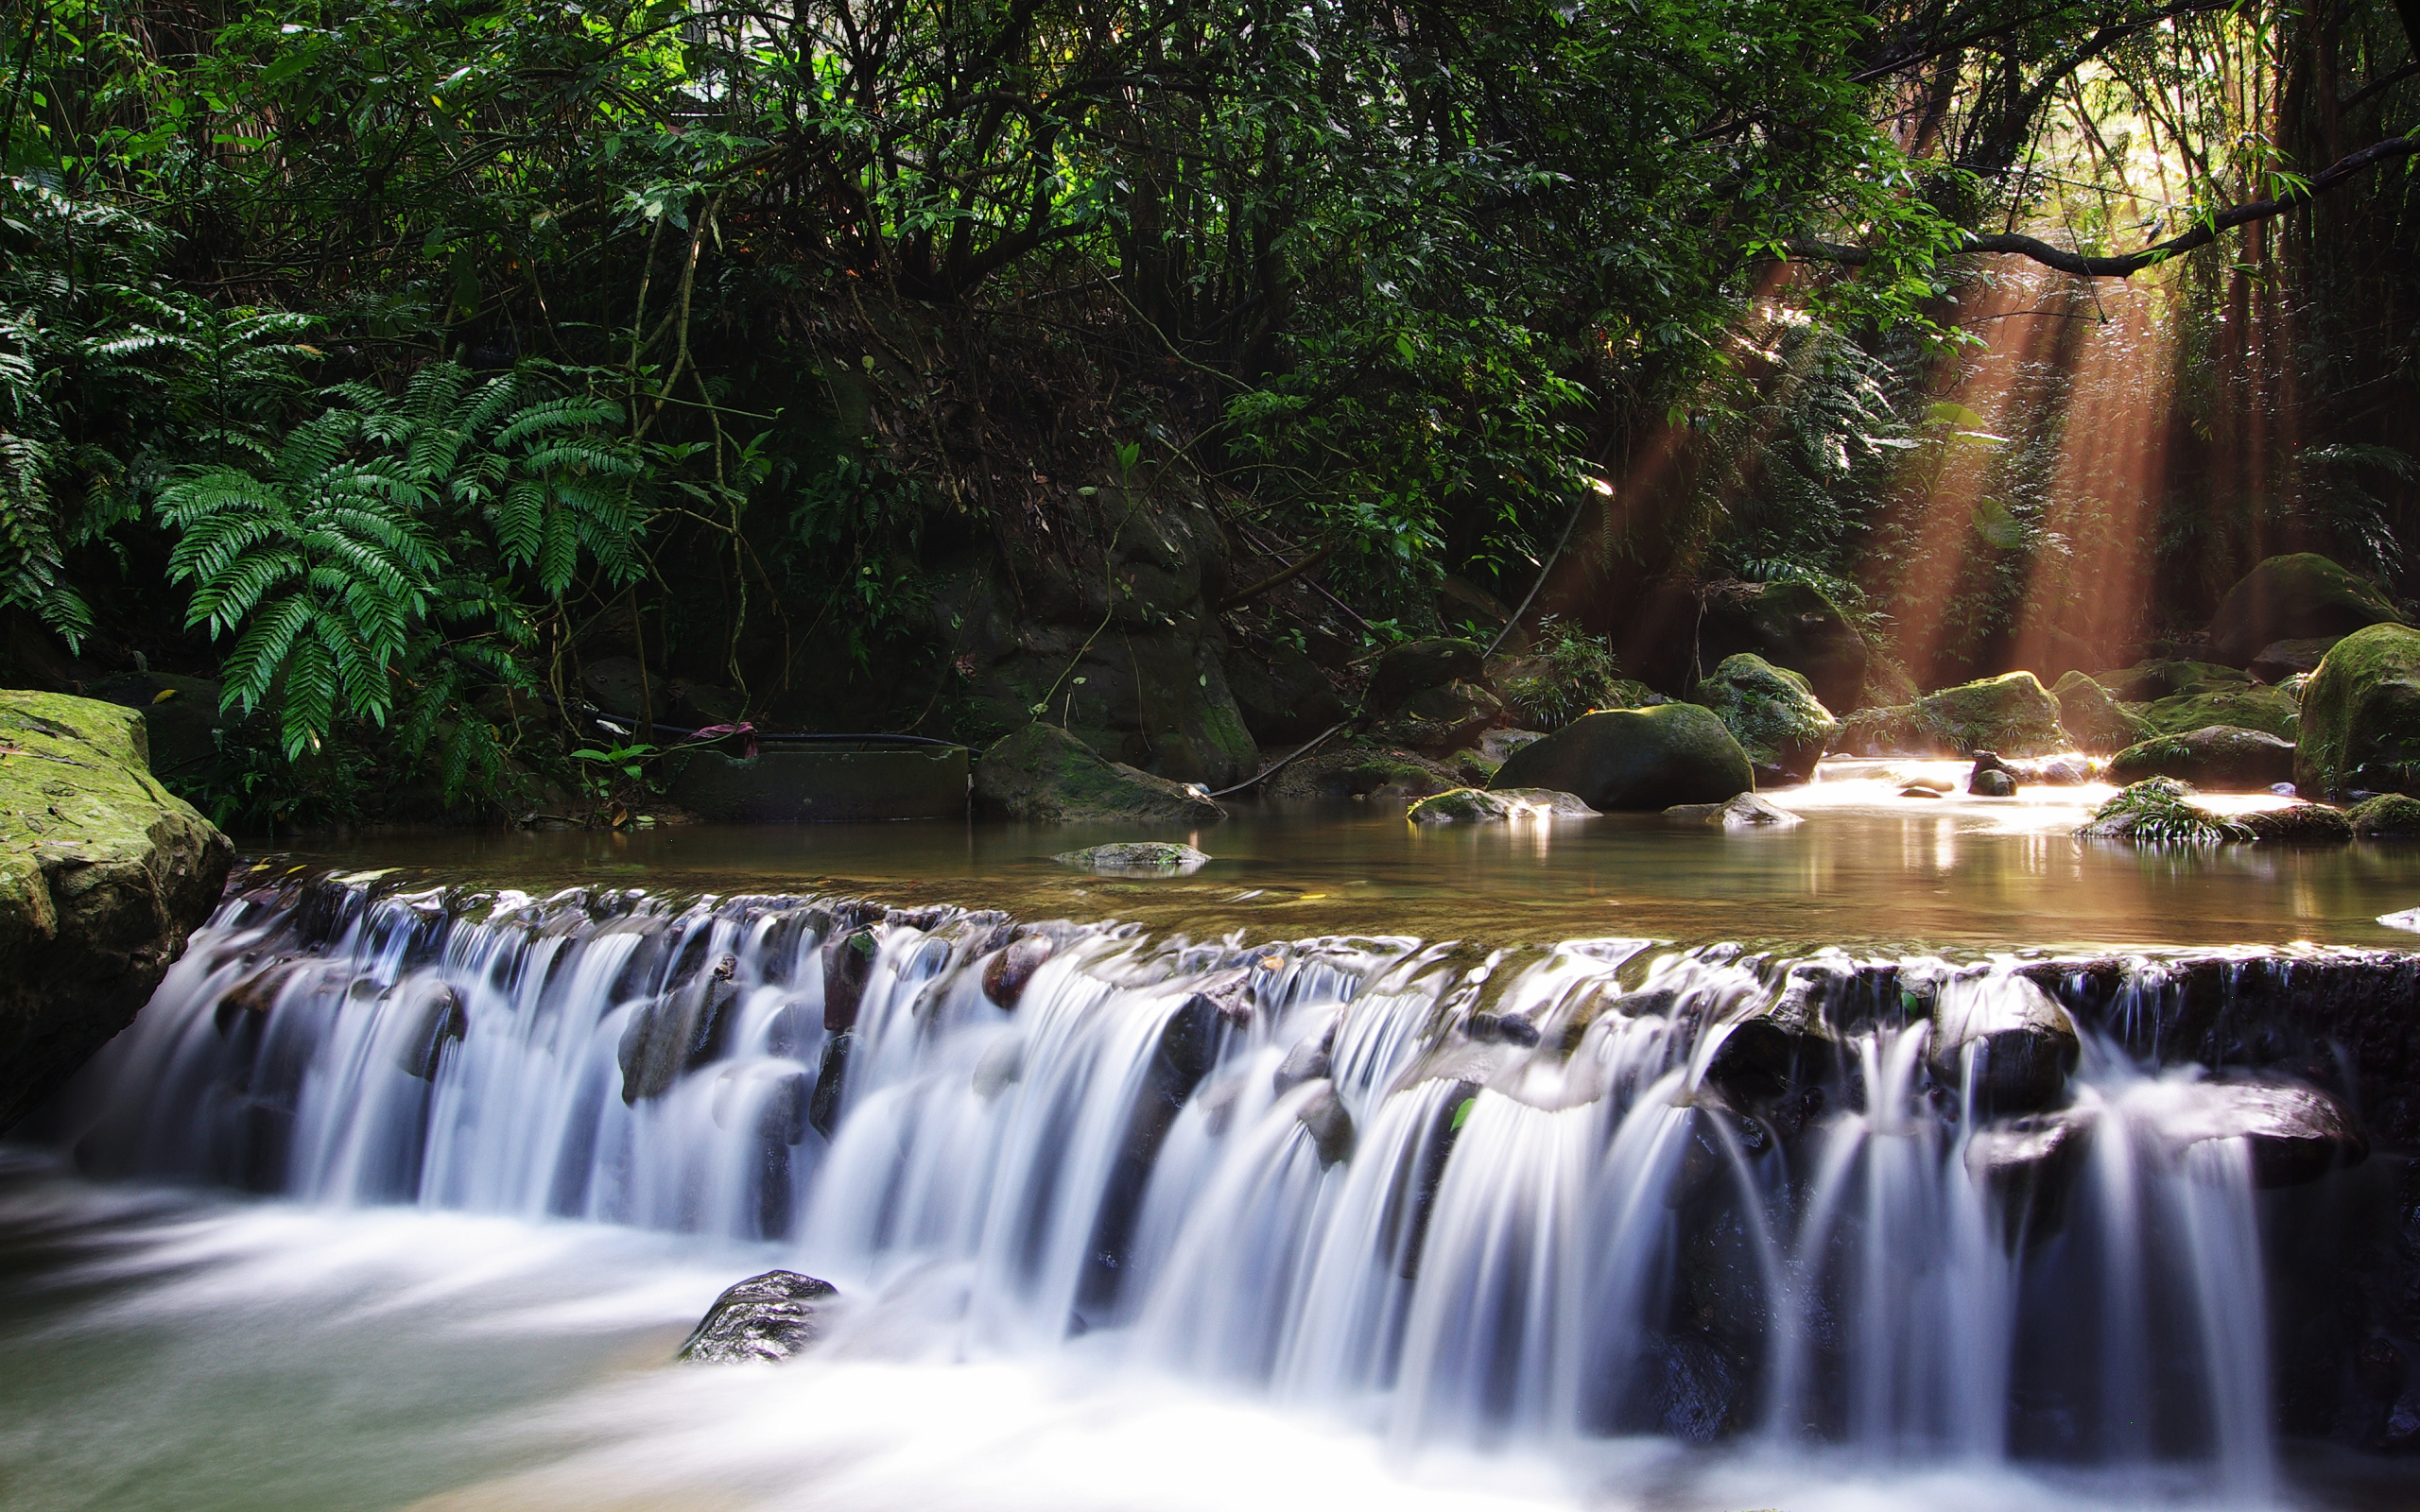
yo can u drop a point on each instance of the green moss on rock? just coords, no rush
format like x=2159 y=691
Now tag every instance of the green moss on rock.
x=2387 y=816
x=2094 y=719
x=2013 y=715
x=2293 y=598
x=2225 y=757
x=2361 y=716
x=1635 y=759
x=2266 y=709
x=1773 y=713
x=1466 y=805
x=1043 y=773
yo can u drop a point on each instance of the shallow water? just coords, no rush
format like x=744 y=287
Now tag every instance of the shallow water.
x=1867 y=870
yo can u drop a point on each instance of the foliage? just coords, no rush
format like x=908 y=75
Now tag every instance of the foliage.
x=2161 y=811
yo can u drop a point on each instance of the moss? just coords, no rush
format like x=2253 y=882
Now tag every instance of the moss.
x=2387 y=816
x=1772 y=711
x=2293 y=598
x=2221 y=756
x=1152 y=857
x=1476 y=767
x=1042 y=772
x=2160 y=811
x=2092 y=716
x=2266 y=709
x=2300 y=823
x=2013 y=715
x=2361 y=728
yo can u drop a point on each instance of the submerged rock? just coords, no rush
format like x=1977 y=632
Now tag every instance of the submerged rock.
x=2293 y=598
x=1744 y=811
x=2361 y=717
x=2092 y=717
x=2223 y=757
x=102 y=876
x=1773 y=715
x=1635 y=759
x=1150 y=858
x=1472 y=805
x=1043 y=773
x=771 y=1316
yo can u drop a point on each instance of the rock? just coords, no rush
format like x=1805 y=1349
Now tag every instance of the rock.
x=2301 y=823
x=2281 y=660
x=1744 y=811
x=1445 y=719
x=103 y=874
x=771 y=1316
x=2268 y=710
x=2296 y=597
x=1043 y=773
x=1499 y=744
x=1312 y=1059
x=2387 y=816
x=2029 y=1165
x=2092 y=717
x=2222 y=756
x=2148 y=681
x=1471 y=805
x=2360 y=714
x=678 y=1032
x=2012 y=713
x=1151 y=858
x=614 y=684
x=2004 y=1042
x=1681 y=630
x=1991 y=781
x=1916 y=790
x=1773 y=714
x=848 y=965
x=1635 y=759
x=2297 y=1134
x=1325 y=1118
x=1284 y=696
x=1417 y=665
x=1341 y=771
x=1006 y=974
x=2051 y=771
x=2159 y=811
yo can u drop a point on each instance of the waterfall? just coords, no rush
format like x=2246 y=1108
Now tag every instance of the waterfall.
x=1604 y=1189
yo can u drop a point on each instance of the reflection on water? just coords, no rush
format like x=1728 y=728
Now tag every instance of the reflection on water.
x=1867 y=868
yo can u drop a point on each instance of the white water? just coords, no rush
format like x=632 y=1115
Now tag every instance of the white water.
x=1573 y=1263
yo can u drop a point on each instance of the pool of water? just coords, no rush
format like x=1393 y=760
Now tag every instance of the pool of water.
x=1867 y=869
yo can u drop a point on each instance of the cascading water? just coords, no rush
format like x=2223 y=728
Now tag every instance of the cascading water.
x=1606 y=1189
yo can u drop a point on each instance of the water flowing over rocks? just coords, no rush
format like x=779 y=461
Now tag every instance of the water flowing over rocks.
x=103 y=876
x=1607 y=1187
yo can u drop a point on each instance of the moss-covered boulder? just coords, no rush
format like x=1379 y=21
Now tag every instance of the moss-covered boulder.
x=1682 y=629
x=2092 y=716
x=1414 y=665
x=2150 y=681
x=102 y=875
x=1635 y=759
x=1043 y=773
x=1471 y=805
x=2387 y=816
x=1775 y=715
x=1449 y=717
x=2268 y=710
x=2299 y=824
x=2296 y=597
x=2013 y=715
x=2222 y=756
x=1150 y=858
x=2361 y=716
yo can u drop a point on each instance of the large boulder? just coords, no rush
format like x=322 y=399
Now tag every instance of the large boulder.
x=2361 y=716
x=1681 y=630
x=2290 y=598
x=1043 y=773
x=1472 y=805
x=1775 y=715
x=2272 y=710
x=1416 y=666
x=103 y=873
x=2222 y=756
x=2148 y=681
x=2093 y=718
x=2280 y=660
x=2013 y=715
x=1635 y=759
x=1284 y=696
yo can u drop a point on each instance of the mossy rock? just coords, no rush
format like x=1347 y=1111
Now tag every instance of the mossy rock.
x=1635 y=759
x=1414 y=665
x=2160 y=811
x=102 y=875
x=1773 y=715
x=2225 y=757
x=2013 y=715
x=2092 y=717
x=1469 y=806
x=1349 y=772
x=1043 y=773
x=2299 y=824
x=2150 y=681
x=2293 y=598
x=2361 y=716
x=1449 y=716
x=2387 y=816
x=2266 y=709
x=1155 y=858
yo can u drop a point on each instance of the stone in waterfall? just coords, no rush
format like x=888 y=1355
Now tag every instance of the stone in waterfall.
x=2224 y=758
x=102 y=875
x=1635 y=759
x=1775 y=715
x=1006 y=974
x=2293 y=598
x=1140 y=858
x=2028 y=1165
x=2296 y=1134
x=771 y=1316
x=1330 y=1124
x=2004 y=1042
x=676 y=1032
x=1043 y=773
x=2092 y=717
x=2013 y=715
x=2360 y=729
x=1473 y=805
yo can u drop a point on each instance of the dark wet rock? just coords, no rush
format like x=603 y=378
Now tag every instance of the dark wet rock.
x=2007 y=1045
x=2296 y=597
x=1747 y=811
x=2360 y=711
x=1471 y=805
x=848 y=965
x=676 y=1033
x=1284 y=696
x=433 y=1019
x=1309 y=1060
x=1493 y=1028
x=1043 y=773
x=1775 y=715
x=1499 y=744
x=2223 y=758
x=1187 y=1049
x=1330 y=1126
x=1150 y=858
x=1347 y=772
x=2013 y=715
x=2268 y=710
x=2387 y=816
x=1419 y=665
x=1006 y=974
x=1450 y=717
x=771 y=1316
x=2299 y=823
x=1696 y=1386
x=1635 y=759
x=2282 y=659
x=2030 y=1166
x=1683 y=630
x=102 y=876
x=2092 y=717
x=2296 y=1134
x=1992 y=782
